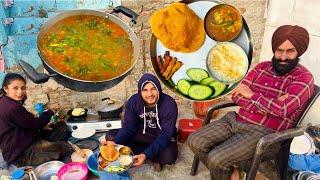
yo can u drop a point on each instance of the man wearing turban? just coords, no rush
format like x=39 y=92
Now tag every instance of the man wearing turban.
x=271 y=97
x=288 y=44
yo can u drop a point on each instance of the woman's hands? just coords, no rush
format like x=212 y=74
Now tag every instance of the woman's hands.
x=47 y=127
x=139 y=159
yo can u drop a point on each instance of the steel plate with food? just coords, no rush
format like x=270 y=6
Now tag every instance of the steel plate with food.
x=184 y=70
x=114 y=158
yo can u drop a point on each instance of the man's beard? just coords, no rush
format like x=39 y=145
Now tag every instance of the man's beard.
x=282 y=69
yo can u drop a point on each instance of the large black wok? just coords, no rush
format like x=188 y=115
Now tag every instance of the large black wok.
x=78 y=84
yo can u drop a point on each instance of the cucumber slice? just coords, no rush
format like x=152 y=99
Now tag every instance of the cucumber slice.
x=207 y=81
x=200 y=92
x=218 y=86
x=197 y=74
x=183 y=86
x=171 y=83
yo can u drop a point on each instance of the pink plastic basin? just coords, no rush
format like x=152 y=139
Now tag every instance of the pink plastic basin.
x=72 y=171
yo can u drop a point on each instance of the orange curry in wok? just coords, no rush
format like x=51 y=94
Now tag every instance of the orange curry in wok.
x=87 y=47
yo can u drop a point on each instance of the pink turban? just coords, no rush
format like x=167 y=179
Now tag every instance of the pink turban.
x=297 y=35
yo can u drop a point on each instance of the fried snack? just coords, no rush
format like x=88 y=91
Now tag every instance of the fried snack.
x=160 y=62
x=169 y=68
x=178 y=28
x=166 y=53
x=109 y=152
x=167 y=59
x=102 y=162
x=175 y=68
x=166 y=63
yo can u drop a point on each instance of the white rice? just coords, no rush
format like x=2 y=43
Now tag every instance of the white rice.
x=227 y=62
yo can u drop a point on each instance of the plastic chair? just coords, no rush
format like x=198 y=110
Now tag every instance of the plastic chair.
x=283 y=137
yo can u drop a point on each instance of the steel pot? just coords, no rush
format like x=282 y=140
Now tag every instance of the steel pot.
x=78 y=84
x=109 y=108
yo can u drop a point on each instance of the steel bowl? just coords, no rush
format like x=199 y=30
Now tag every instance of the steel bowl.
x=48 y=169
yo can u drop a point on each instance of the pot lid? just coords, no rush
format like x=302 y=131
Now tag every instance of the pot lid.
x=108 y=104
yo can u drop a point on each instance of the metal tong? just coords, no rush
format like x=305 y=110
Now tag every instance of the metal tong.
x=32 y=175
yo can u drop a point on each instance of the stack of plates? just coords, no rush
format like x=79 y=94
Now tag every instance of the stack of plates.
x=84 y=132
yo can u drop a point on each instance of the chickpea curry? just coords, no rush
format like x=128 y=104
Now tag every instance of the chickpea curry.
x=223 y=22
x=87 y=47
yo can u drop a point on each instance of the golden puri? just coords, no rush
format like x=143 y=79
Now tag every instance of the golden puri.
x=178 y=28
x=109 y=152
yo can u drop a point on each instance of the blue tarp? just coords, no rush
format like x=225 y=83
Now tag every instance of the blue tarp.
x=1 y=78
x=304 y=162
x=108 y=176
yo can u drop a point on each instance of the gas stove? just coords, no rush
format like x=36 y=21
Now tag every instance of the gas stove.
x=94 y=121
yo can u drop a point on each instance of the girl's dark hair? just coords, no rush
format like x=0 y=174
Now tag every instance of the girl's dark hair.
x=8 y=78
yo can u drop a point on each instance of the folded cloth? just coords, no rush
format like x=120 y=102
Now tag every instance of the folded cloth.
x=304 y=162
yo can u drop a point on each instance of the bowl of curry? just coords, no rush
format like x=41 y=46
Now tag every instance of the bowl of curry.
x=223 y=22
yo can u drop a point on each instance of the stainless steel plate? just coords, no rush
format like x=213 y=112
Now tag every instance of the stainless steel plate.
x=48 y=169
x=197 y=59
